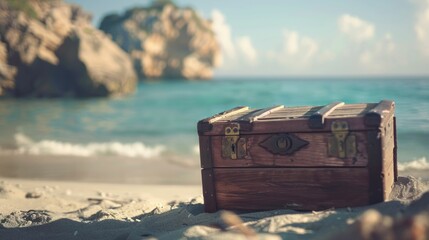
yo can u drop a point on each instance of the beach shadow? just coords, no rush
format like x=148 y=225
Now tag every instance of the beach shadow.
x=69 y=229
x=156 y=223
x=188 y=220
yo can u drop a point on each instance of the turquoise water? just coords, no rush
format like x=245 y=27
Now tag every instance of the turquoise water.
x=160 y=118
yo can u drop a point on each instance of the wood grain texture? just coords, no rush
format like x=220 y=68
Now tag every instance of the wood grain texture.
x=375 y=166
x=259 y=114
x=395 y=151
x=205 y=152
x=209 y=191
x=380 y=114
x=315 y=154
x=388 y=153
x=296 y=119
x=294 y=188
x=317 y=119
x=289 y=126
x=206 y=124
x=388 y=180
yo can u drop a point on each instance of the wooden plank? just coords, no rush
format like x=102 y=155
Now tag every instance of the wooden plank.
x=317 y=119
x=382 y=111
x=290 y=126
x=247 y=120
x=351 y=109
x=388 y=181
x=388 y=172
x=312 y=155
x=205 y=124
x=294 y=188
x=209 y=190
x=285 y=120
x=205 y=152
x=259 y=114
x=375 y=166
x=395 y=151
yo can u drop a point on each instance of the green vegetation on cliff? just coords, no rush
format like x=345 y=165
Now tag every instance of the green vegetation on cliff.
x=156 y=5
x=22 y=6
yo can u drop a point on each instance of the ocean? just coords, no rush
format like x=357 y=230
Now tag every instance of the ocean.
x=160 y=119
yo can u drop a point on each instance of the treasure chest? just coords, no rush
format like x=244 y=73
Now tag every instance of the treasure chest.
x=302 y=158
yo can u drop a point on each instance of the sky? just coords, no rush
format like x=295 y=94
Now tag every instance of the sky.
x=309 y=38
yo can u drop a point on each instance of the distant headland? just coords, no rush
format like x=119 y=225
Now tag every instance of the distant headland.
x=51 y=49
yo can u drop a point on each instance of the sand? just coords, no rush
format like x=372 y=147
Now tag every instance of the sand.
x=32 y=209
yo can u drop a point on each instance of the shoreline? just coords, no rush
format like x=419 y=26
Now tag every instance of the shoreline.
x=163 y=170
x=160 y=171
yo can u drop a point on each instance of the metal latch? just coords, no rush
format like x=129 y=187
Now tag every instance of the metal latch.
x=342 y=143
x=233 y=146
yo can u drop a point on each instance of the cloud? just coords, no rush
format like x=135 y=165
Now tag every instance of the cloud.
x=379 y=55
x=223 y=33
x=234 y=51
x=297 y=50
x=375 y=54
x=247 y=50
x=299 y=46
x=355 y=28
x=422 y=26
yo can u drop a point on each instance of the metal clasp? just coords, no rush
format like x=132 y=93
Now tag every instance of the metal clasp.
x=341 y=144
x=233 y=146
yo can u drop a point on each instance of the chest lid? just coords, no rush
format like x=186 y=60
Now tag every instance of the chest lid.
x=363 y=116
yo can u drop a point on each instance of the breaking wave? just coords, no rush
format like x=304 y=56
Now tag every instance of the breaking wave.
x=418 y=164
x=196 y=149
x=25 y=145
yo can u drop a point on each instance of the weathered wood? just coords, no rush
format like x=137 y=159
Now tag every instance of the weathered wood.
x=387 y=173
x=209 y=190
x=205 y=152
x=259 y=114
x=383 y=110
x=246 y=121
x=289 y=126
x=317 y=119
x=388 y=153
x=205 y=124
x=281 y=162
x=294 y=188
x=388 y=181
x=312 y=155
x=297 y=118
x=375 y=166
x=395 y=151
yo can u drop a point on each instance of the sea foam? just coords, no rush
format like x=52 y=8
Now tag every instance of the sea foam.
x=25 y=145
x=196 y=149
x=418 y=164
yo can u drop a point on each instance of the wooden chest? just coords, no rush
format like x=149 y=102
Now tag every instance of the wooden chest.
x=303 y=158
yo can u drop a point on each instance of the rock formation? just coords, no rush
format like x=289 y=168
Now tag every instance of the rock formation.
x=165 y=41
x=49 y=49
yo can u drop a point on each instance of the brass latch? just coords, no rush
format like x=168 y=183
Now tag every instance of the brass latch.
x=341 y=144
x=233 y=146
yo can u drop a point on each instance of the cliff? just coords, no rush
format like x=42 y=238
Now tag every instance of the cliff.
x=50 y=49
x=165 y=41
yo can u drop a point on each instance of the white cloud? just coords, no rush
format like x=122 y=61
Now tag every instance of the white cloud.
x=297 y=49
x=223 y=33
x=380 y=55
x=246 y=48
x=375 y=54
x=422 y=26
x=234 y=51
x=355 y=28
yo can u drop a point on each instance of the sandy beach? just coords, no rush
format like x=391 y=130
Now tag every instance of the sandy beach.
x=54 y=209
